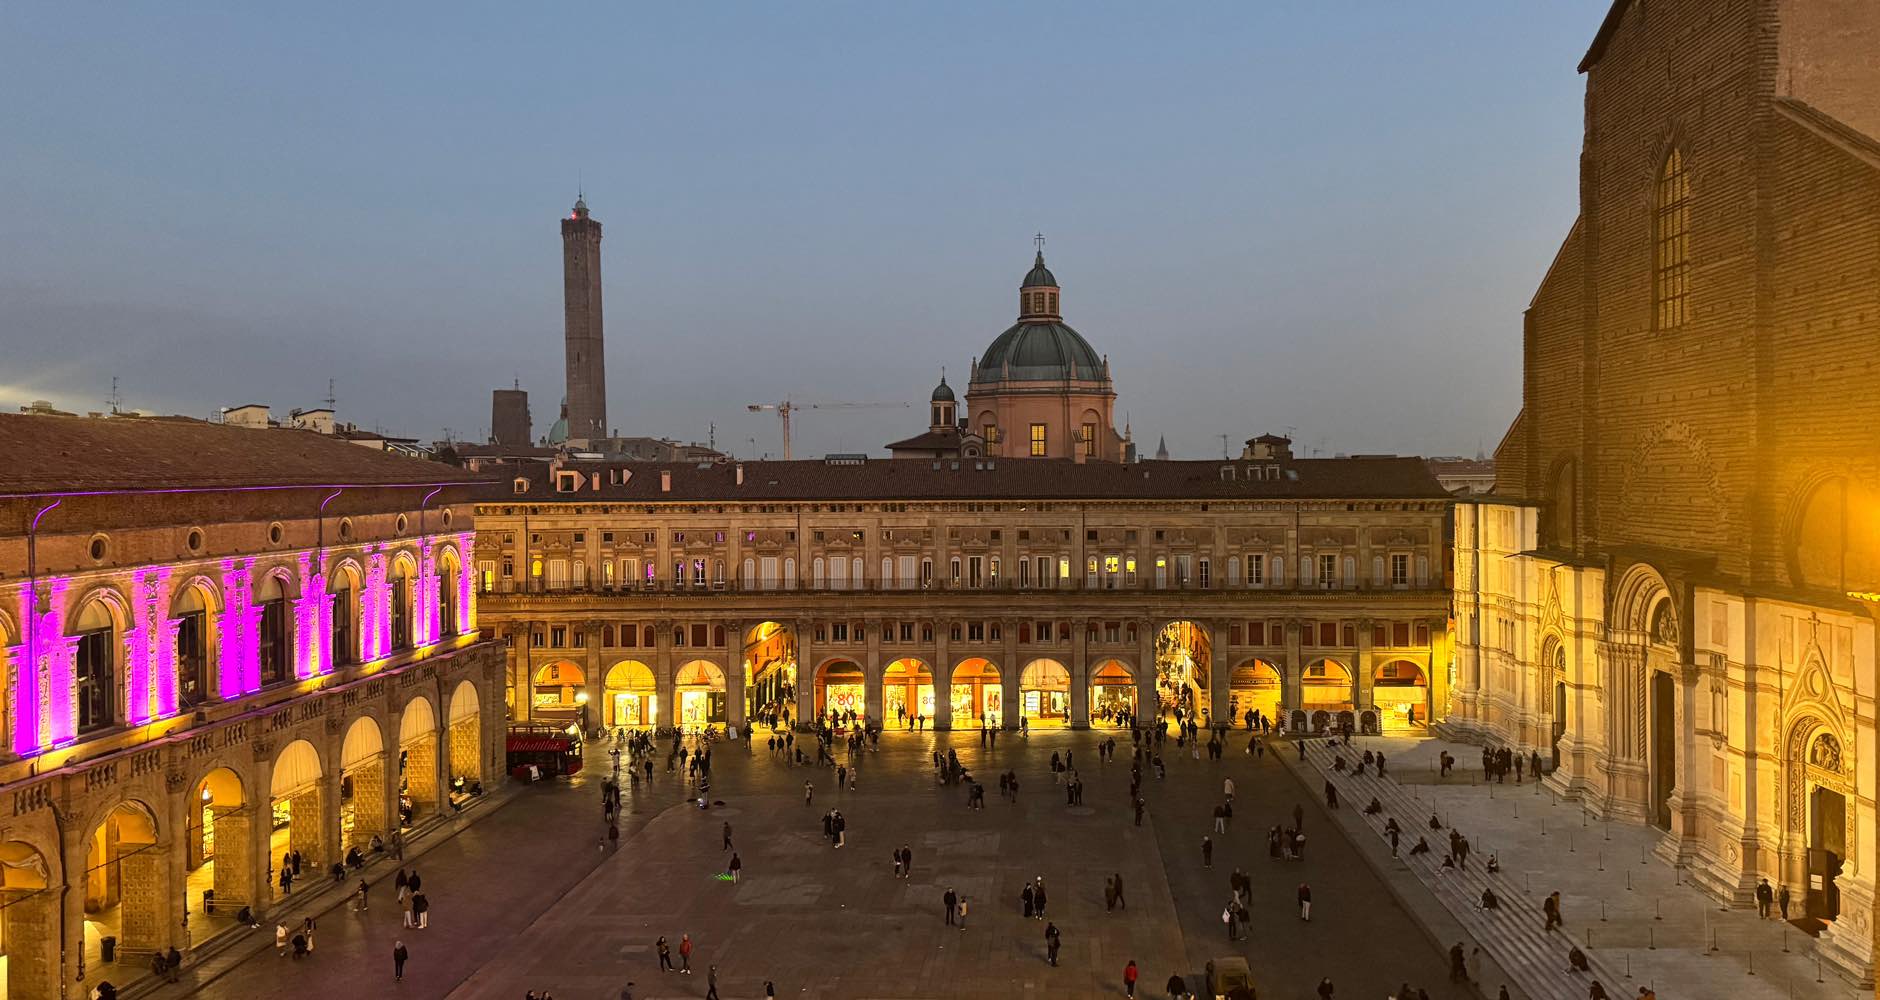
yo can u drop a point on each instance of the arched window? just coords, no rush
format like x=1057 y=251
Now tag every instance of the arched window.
x=95 y=667
x=646 y=637
x=275 y=660
x=1672 y=267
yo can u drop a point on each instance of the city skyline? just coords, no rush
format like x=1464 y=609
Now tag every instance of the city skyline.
x=1227 y=272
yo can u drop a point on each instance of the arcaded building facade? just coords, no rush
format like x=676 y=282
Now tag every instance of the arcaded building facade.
x=1671 y=591
x=969 y=593
x=219 y=645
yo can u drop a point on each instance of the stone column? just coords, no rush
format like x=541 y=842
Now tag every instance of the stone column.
x=522 y=655
x=663 y=666
x=942 y=683
x=1362 y=680
x=1145 y=669
x=1011 y=673
x=234 y=857
x=875 y=706
x=1292 y=692
x=806 y=654
x=595 y=666
x=1080 y=674
x=29 y=922
x=1220 y=671
x=734 y=668
x=369 y=809
x=143 y=902
x=421 y=770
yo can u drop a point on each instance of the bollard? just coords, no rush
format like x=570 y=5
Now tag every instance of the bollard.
x=1602 y=861
x=1651 y=938
x=1589 y=939
x=1642 y=856
x=1517 y=809
x=1569 y=843
x=1817 y=968
x=1628 y=965
x=1602 y=911
x=1657 y=910
x=1628 y=881
x=1785 y=940
x=1543 y=828
x=1607 y=824
x=1752 y=961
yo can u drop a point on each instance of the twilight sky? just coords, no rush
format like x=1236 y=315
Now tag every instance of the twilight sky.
x=1326 y=216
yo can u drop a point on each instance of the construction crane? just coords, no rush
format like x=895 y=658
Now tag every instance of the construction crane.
x=785 y=408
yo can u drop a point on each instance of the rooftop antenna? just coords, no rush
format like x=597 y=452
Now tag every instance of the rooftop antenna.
x=115 y=400
x=330 y=399
x=1223 y=438
x=712 y=435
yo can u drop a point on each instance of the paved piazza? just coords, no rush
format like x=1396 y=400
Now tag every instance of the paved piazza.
x=526 y=899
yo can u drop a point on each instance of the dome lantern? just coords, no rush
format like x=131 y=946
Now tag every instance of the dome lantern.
x=1038 y=293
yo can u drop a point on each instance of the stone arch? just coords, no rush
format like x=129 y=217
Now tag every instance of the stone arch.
x=401 y=581
x=99 y=671
x=770 y=669
x=1112 y=691
x=417 y=751
x=362 y=783
x=1673 y=460
x=907 y=691
x=344 y=582
x=1184 y=663
x=555 y=687
x=29 y=919
x=978 y=693
x=1562 y=511
x=124 y=891
x=1044 y=691
x=1818 y=774
x=196 y=607
x=1325 y=686
x=449 y=566
x=841 y=687
x=1635 y=599
x=464 y=717
x=1831 y=541
x=1256 y=685
x=631 y=695
x=699 y=693
x=294 y=793
x=218 y=856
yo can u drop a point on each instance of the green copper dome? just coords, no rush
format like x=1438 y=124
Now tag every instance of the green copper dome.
x=1038 y=352
x=1039 y=276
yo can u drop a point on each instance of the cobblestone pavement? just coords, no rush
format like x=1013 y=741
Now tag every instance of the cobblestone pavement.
x=528 y=898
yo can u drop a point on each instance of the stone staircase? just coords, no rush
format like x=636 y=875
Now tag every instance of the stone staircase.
x=1535 y=959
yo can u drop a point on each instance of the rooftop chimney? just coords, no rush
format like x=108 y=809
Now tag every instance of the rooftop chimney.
x=740 y=473
x=665 y=480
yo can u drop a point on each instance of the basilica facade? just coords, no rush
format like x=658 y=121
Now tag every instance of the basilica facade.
x=1671 y=592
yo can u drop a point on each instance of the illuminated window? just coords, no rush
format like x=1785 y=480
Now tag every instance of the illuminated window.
x=990 y=432
x=1090 y=440
x=1054 y=296
x=1037 y=440
x=1673 y=267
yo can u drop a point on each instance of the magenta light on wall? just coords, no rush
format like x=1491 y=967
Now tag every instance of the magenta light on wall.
x=425 y=601
x=376 y=602
x=312 y=588
x=43 y=709
x=240 y=629
x=149 y=660
x=466 y=592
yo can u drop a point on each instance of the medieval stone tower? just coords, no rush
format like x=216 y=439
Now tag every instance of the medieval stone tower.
x=581 y=293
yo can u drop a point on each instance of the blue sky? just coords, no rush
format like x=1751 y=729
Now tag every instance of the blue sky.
x=1326 y=216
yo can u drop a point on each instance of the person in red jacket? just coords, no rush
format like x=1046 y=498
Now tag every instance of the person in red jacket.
x=1129 y=978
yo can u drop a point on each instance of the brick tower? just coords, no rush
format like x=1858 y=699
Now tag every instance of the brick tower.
x=581 y=294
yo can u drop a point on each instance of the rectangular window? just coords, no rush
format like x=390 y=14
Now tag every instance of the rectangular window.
x=1184 y=570
x=1328 y=571
x=839 y=632
x=1400 y=634
x=558 y=636
x=1024 y=572
x=1044 y=631
x=975 y=566
x=976 y=632
x=1205 y=578
x=580 y=639
x=1112 y=631
x=1672 y=267
x=509 y=567
x=1090 y=440
x=699 y=635
x=1063 y=569
x=1256 y=570
x=1328 y=633
x=1161 y=572
x=1090 y=571
x=1256 y=633
x=96 y=692
x=1400 y=570
x=1129 y=571
x=907 y=631
x=1037 y=441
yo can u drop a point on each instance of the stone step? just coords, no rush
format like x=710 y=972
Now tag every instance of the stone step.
x=1534 y=958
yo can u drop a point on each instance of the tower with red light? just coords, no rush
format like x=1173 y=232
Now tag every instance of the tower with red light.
x=581 y=299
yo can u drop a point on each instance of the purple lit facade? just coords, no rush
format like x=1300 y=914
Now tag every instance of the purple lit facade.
x=42 y=666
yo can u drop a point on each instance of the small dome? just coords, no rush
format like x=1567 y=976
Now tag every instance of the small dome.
x=1039 y=276
x=1039 y=352
x=943 y=393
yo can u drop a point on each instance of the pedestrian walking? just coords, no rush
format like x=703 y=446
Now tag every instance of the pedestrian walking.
x=727 y=836
x=735 y=867
x=1305 y=902
x=1227 y=788
x=1551 y=910
x=897 y=862
x=399 y=955
x=665 y=954
x=1051 y=942
x=362 y=894
x=1025 y=900
x=952 y=902
x=685 y=953
x=962 y=913
x=711 y=982
x=411 y=919
x=1129 y=978
x=1331 y=795
x=1037 y=896
x=809 y=792
x=1325 y=988
x=1458 y=971
x=402 y=883
x=1109 y=895
x=1765 y=898
x=1782 y=901
x=280 y=939
x=1207 y=852
x=907 y=861
x=421 y=908
x=613 y=836
x=1121 y=903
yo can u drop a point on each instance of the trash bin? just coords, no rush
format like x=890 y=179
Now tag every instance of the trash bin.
x=208 y=900
x=107 y=947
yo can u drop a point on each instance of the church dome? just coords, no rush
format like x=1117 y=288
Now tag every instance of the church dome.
x=943 y=393
x=1039 y=352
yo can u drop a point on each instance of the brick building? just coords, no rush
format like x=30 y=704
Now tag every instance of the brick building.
x=969 y=592
x=1670 y=593
x=219 y=644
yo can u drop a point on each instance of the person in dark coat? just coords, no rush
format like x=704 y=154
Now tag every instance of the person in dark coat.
x=399 y=955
